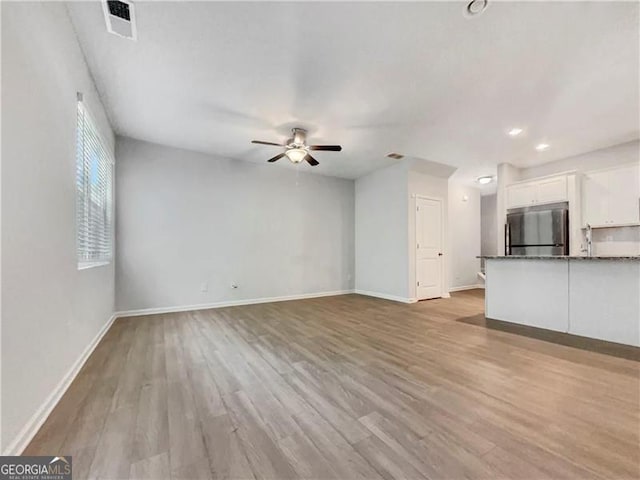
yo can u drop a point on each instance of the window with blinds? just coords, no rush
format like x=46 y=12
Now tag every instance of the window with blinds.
x=94 y=171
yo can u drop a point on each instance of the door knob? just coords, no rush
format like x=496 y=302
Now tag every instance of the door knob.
x=439 y=254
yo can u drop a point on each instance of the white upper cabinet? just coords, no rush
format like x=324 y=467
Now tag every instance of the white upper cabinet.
x=552 y=190
x=624 y=195
x=521 y=195
x=538 y=192
x=612 y=197
x=595 y=199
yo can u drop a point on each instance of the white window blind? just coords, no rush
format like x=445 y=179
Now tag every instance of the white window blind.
x=94 y=172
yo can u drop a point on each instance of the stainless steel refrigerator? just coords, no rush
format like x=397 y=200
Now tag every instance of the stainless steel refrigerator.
x=538 y=231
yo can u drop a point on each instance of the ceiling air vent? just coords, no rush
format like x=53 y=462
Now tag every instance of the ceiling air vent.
x=120 y=17
x=395 y=156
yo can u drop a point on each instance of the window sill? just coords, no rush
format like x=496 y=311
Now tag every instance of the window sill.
x=88 y=265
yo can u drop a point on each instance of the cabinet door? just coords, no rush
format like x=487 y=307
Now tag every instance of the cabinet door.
x=552 y=190
x=624 y=193
x=521 y=195
x=595 y=199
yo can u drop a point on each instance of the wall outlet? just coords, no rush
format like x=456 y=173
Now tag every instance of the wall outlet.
x=204 y=287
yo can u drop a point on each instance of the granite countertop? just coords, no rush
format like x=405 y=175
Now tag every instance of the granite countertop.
x=560 y=257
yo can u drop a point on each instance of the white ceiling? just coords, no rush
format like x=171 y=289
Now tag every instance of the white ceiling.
x=420 y=79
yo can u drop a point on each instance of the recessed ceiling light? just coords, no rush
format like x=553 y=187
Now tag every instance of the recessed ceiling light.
x=484 y=179
x=541 y=147
x=514 y=132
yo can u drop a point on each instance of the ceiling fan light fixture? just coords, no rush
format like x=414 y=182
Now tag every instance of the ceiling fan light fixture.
x=297 y=150
x=296 y=155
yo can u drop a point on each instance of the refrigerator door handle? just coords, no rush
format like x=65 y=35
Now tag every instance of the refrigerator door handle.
x=507 y=239
x=566 y=238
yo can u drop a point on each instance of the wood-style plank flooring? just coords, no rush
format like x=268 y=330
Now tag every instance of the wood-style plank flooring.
x=346 y=387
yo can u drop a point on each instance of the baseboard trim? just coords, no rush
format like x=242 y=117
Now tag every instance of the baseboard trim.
x=24 y=437
x=228 y=303
x=385 y=296
x=466 y=287
x=605 y=347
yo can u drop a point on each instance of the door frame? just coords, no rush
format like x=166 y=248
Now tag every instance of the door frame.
x=444 y=291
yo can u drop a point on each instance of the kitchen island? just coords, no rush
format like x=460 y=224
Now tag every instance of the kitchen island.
x=595 y=297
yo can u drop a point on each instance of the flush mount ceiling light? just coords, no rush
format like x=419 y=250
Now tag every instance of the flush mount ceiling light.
x=476 y=7
x=514 y=132
x=484 y=179
x=541 y=147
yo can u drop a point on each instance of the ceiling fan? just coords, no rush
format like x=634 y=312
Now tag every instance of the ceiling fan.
x=296 y=148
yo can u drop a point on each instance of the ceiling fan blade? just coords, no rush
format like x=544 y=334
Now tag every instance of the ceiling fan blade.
x=312 y=161
x=328 y=148
x=277 y=157
x=268 y=143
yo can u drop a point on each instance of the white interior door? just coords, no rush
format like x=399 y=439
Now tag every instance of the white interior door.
x=429 y=256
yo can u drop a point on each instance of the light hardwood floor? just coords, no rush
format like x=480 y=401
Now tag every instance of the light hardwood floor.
x=346 y=387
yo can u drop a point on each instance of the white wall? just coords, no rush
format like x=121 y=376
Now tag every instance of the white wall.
x=464 y=233
x=434 y=187
x=507 y=174
x=618 y=241
x=385 y=227
x=50 y=311
x=488 y=230
x=382 y=232
x=186 y=219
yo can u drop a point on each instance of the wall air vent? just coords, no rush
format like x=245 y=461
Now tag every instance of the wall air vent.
x=120 y=17
x=395 y=156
